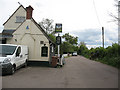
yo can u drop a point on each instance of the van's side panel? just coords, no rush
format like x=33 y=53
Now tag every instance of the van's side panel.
x=24 y=54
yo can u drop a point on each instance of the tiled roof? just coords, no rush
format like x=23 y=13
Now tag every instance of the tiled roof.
x=8 y=31
x=7 y=34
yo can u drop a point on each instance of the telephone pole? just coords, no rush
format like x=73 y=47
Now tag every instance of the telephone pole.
x=119 y=22
x=103 y=36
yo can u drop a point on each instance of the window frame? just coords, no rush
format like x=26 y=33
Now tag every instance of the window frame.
x=44 y=53
x=20 y=19
x=18 y=52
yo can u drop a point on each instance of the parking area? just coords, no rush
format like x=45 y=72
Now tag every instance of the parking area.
x=35 y=77
x=78 y=72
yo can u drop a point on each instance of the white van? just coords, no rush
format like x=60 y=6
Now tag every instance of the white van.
x=74 y=54
x=12 y=57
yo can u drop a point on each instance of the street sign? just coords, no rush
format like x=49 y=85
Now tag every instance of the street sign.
x=58 y=40
x=58 y=28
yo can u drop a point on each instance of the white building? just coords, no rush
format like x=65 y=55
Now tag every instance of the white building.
x=22 y=29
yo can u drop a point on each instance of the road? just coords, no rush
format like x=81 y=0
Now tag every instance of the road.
x=78 y=72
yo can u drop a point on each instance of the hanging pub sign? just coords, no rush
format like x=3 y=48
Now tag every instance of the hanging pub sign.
x=58 y=28
x=58 y=40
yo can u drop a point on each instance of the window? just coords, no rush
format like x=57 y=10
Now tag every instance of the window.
x=7 y=50
x=41 y=42
x=20 y=19
x=15 y=40
x=44 y=52
x=52 y=49
x=18 y=51
x=4 y=41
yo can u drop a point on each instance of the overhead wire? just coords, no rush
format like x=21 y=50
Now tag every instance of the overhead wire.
x=96 y=13
x=99 y=23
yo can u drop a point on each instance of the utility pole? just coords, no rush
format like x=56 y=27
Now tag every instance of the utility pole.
x=103 y=36
x=119 y=22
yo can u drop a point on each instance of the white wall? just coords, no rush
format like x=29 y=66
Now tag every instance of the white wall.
x=31 y=37
x=11 y=23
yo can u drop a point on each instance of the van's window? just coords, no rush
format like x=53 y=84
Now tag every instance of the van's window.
x=18 y=51
x=44 y=52
x=7 y=50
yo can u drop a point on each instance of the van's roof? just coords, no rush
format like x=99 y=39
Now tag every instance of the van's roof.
x=9 y=44
x=12 y=45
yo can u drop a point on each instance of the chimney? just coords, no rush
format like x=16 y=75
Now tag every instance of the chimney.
x=29 y=10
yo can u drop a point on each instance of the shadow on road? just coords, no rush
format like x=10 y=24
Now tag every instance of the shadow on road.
x=38 y=64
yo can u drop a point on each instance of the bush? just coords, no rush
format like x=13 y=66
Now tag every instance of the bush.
x=109 y=55
x=83 y=50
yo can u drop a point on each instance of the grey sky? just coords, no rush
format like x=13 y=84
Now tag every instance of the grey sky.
x=77 y=16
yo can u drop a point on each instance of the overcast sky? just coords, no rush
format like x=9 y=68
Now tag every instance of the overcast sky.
x=77 y=16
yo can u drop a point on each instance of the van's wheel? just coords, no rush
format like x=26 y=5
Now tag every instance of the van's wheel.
x=12 y=70
x=61 y=65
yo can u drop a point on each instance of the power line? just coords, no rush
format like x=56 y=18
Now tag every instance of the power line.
x=99 y=23
x=96 y=13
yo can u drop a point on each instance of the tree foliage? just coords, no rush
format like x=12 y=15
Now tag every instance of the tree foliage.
x=52 y=37
x=83 y=50
x=70 y=39
x=115 y=17
x=67 y=47
x=82 y=43
x=70 y=43
x=109 y=55
x=47 y=25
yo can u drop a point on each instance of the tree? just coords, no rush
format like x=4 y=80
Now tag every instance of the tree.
x=52 y=37
x=83 y=50
x=46 y=24
x=67 y=47
x=116 y=17
x=70 y=39
x=70 y=43
x=82 y=43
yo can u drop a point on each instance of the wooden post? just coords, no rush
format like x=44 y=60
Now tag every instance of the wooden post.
x=103 y=36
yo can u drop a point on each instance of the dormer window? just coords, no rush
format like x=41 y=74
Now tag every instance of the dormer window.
x=20 y=19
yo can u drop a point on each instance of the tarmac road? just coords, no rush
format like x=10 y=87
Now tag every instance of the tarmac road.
x=78 y=72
